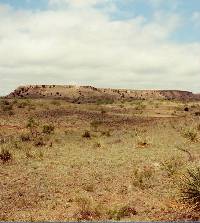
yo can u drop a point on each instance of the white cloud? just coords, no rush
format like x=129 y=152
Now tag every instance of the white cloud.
x=196 y=18
x=80 y=44
x=76 y=3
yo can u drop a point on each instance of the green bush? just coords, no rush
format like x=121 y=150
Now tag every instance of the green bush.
x=190 y=188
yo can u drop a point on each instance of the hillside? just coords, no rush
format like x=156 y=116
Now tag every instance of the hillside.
x=82 y=94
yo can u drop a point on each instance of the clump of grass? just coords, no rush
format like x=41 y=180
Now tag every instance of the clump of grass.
x=5 y=155
x=171 y=166
x=86 y=134
x=122 y=212
x=190 y=188
x=48 y=129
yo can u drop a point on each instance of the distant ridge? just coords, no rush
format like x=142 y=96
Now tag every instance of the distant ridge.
x=89 y=94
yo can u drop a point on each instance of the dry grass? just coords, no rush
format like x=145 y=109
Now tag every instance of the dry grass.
x=66 y=162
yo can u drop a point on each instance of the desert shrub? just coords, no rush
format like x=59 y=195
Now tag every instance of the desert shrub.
x=48 y=129
x=191 y=134
x=5 y=155
x=87 y=210
x=86 y=134
x=25 y=137
x=142 y=177
x=122 y=212
x=190 y=188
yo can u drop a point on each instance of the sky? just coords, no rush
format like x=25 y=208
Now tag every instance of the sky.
x=135 y=44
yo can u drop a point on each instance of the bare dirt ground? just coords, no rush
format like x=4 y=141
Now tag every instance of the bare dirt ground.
x=122 y=161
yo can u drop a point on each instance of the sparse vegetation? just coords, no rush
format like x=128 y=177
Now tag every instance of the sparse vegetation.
x=87 y=162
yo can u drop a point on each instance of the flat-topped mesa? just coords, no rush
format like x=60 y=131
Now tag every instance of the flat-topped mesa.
x=81 y=94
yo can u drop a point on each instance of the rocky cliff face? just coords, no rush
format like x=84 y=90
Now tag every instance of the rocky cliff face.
x=81 y=94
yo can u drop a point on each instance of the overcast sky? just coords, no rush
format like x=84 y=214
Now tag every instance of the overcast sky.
x=137 y=44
